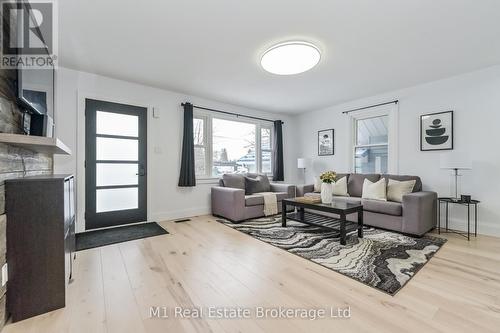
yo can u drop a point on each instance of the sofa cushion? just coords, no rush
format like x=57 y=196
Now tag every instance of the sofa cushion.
x=342 y=175
x=418 y=181
x=355 y=183
x=340 y=187
x=234 y=180
x=257 y=199
x=375 y=191
x=383 y=207
x=257 y=184
x=252 y=175
x=318 y=182
x=397 y=189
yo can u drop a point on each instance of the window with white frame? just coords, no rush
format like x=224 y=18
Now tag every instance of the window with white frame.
x=230 y=145
x=371 y=144
x=375 y=140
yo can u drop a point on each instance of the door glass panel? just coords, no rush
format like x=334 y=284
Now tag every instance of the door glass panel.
x=117 y=149
x=108 y=174
x=117 y=124
x=116 y=199
x=372 y=130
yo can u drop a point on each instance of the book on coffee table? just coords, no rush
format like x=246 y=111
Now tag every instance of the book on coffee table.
x=308 y=199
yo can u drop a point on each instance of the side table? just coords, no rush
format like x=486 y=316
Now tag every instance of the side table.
x=447 y=202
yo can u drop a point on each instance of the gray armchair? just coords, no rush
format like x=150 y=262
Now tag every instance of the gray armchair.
x=233 y=204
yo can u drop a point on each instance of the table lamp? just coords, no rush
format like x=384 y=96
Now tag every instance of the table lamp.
x=456 y=162
x=302 y=164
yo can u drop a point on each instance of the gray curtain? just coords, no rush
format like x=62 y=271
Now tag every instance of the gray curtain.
x=187 y=177
x=278 y=169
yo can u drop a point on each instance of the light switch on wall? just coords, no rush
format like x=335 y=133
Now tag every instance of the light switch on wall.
x=156 y=113
x=5 y=274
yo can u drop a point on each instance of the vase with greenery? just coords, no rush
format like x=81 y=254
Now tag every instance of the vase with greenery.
x=327 y=179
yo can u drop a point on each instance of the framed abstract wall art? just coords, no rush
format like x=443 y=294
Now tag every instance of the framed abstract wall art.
x=436 y=131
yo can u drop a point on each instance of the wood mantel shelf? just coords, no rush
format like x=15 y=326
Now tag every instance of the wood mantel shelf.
x=38 y=144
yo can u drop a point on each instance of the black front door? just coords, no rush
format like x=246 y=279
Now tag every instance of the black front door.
x=115 y=164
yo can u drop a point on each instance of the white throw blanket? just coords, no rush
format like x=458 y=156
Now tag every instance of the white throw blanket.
x=270 y=203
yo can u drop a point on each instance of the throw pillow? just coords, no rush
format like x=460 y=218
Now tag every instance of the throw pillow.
x=340 y=187
x=257 y=184
x=233 y=181
x=375 y=191
x=317 y=184
x=397 y=189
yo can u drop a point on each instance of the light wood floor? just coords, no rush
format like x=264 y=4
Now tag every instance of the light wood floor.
x=203 y=263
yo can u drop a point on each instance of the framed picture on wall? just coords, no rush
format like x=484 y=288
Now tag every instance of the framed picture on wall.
x=326 y=142
x=436 y=131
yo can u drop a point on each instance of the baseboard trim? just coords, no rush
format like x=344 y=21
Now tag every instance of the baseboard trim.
x=483 y=228
x=180 y=214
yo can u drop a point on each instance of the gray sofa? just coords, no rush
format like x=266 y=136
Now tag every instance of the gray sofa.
x=415 y=215
x=231 y=199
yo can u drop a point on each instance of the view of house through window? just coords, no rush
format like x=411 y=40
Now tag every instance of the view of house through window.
x=371 y=145
x=233 y=147
x=230 y=146
x=265 y=143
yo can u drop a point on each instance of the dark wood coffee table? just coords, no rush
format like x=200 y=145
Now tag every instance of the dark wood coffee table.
x=341 y=225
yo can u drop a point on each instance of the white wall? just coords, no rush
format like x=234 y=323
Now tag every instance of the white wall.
x=475 y=98
x=165 y=199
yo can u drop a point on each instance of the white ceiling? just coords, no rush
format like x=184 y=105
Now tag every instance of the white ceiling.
x=212 y=48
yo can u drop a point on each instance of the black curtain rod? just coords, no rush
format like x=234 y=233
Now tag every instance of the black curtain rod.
x=371 y=106
x=231 y=113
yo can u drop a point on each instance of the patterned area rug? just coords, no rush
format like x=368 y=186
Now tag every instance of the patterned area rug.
x=383 y=260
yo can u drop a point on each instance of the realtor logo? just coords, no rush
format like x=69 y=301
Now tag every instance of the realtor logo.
x=28 y=34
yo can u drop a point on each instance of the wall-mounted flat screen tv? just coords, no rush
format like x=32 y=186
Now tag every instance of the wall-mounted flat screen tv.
x=36 y=90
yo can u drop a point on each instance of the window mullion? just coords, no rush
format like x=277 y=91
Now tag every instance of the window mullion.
x=271 y=133
x=209 y=143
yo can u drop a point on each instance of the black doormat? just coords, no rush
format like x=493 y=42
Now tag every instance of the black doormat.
x=91 y=239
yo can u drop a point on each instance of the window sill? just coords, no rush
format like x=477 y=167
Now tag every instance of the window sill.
x=207 y=180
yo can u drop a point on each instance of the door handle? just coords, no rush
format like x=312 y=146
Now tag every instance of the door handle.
x=141 y=172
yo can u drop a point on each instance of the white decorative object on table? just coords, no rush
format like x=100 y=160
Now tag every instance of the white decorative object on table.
x=327 y=193
x=328 y=178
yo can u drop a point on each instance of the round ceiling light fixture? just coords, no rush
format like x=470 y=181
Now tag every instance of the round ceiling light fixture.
x=290 y=58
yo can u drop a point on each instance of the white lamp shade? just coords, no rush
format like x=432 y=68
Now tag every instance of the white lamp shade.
x=455 y=160
x=301 y=163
